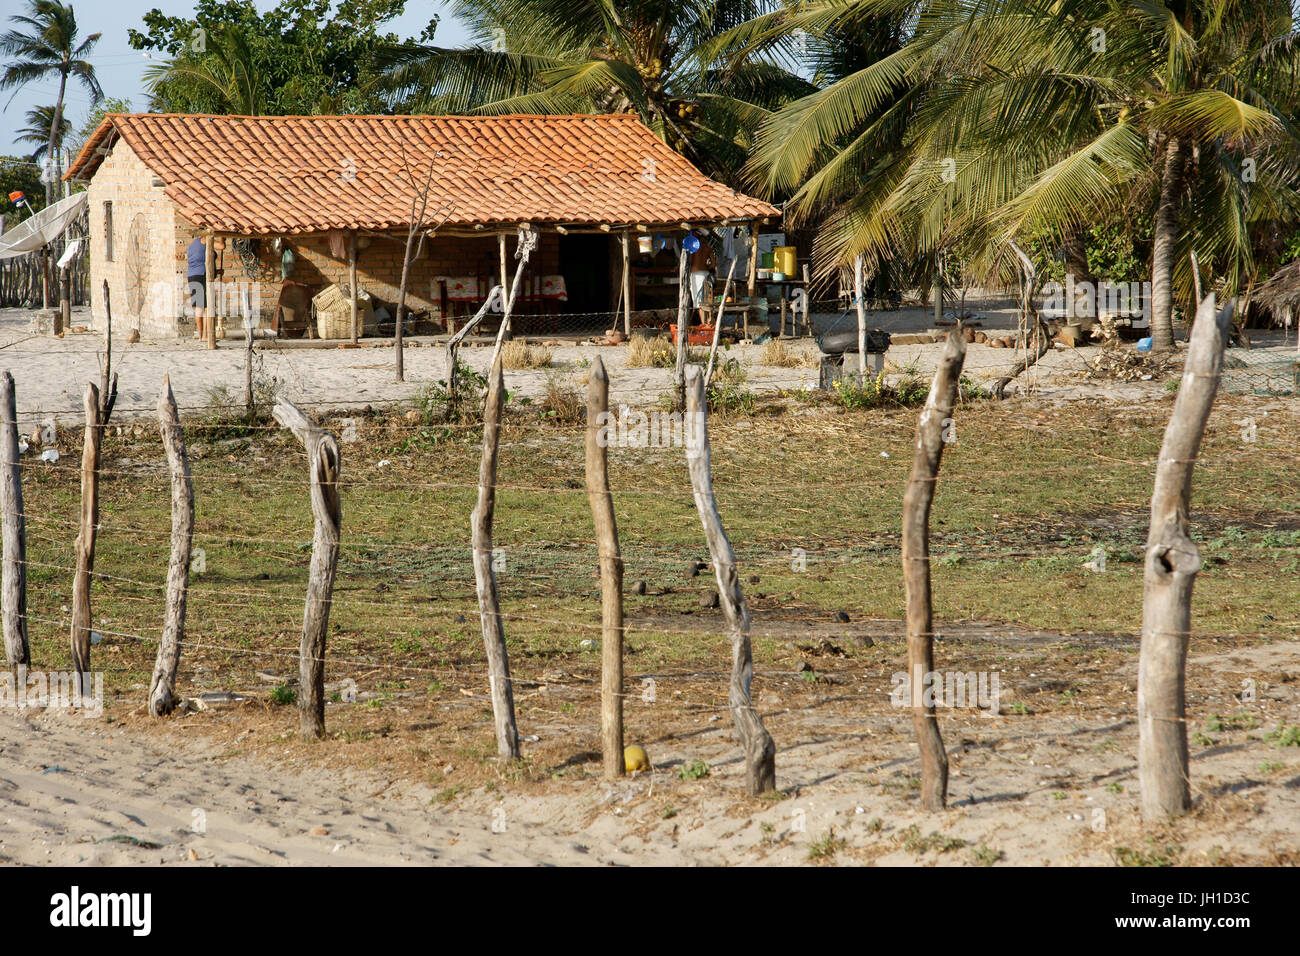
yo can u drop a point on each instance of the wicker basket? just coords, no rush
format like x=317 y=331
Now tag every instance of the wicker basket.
x=334 y=313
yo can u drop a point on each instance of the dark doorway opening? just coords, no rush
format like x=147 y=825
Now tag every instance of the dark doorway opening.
x=585 y=265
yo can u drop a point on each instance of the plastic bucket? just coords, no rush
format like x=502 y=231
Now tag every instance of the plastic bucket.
x=784 y=260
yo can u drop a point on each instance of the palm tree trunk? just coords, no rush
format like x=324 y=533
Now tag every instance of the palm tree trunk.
x=50 y=156
x=1162 y=255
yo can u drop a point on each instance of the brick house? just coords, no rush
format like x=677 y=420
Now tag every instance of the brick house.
x=330 y=188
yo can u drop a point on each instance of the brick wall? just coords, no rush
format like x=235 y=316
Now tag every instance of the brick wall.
x=139 y=272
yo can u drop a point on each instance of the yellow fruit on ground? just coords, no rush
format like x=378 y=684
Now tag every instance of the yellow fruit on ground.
x=635 y=759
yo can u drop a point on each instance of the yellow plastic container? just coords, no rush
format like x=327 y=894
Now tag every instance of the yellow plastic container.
x=785 y=260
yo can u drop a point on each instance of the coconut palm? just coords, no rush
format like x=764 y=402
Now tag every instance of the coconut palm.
x=45 y=44
x=40 y=121
x=223 y=71
x=642 y=57
x=1004 y=118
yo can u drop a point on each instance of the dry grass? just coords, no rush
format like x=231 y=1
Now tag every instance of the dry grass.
x=647 y=353
x=563 y=403
x=777 y=354
x=517 y=353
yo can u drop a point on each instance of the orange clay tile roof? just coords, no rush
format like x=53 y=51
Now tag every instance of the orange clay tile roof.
x=293 y=174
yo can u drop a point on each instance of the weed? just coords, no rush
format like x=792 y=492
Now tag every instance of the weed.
x=1155 y=856
x=283 y=695
x=693 y=770
x=914 y=842
x=986 y=855
x=1285 y=737
x=827 y=846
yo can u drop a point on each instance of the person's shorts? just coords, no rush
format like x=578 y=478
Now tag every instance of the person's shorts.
x=702 y=289
x=197 y=287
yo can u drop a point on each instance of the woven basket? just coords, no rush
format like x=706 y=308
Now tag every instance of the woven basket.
x=334 y=313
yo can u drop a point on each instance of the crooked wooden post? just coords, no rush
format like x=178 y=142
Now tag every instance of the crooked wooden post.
x=529 y=239
x=760 y=751
x=85 y=544
x=611 y=572
x=1172 y=562
x=107 y=377
x=717 y=322
x=931 y=429
x=324 y=464
x=13 y=587
x=162 y=688
x=683 y=310
x=494 y=634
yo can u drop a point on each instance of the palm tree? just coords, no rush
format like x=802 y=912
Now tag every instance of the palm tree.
x=224 y=71
x=45 y=44
x=1024 y=118
x=40 y=121
x=646 y=57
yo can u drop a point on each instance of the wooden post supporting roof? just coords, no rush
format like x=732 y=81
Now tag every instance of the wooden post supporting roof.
x=352 y=282
x=209 y=281
x=505 y=275
x=627 y=283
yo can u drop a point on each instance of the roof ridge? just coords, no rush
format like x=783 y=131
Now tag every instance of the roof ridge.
x=621 y=117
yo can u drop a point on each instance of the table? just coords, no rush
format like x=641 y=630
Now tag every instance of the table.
x=784 y=287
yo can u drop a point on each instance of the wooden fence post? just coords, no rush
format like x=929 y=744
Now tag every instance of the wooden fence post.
x=107 y=384
x=162 y=689
x=494 y=634
x=14 y=585
x=325 y=466
x=611 y=574
x=683 y=310
x=931 y=431
x=859 y=284
x=85 y=544
x=1172 y=562
x=760 y=751
x=717 y=323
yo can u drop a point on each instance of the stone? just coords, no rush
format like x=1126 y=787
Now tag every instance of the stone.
x=710 y=600
x=639 y=588
x=842 y=617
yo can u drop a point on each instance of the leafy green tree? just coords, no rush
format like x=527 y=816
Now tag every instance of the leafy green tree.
x=45 y=44
x=18 y=174
x=298 y=58
x=655 y=58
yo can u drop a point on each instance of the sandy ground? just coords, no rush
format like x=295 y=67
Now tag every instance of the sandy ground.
x=51 y=374
x=236 y=787
x=1051 y=788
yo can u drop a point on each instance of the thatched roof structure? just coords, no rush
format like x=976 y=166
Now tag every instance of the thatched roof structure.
x=1279 y=294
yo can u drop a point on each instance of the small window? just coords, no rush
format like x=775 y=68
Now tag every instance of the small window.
x=108 y=232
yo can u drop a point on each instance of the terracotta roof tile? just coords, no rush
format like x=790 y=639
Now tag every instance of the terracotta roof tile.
x=291 y=174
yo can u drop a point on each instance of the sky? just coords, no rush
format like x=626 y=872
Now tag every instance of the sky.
x=120 y=68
